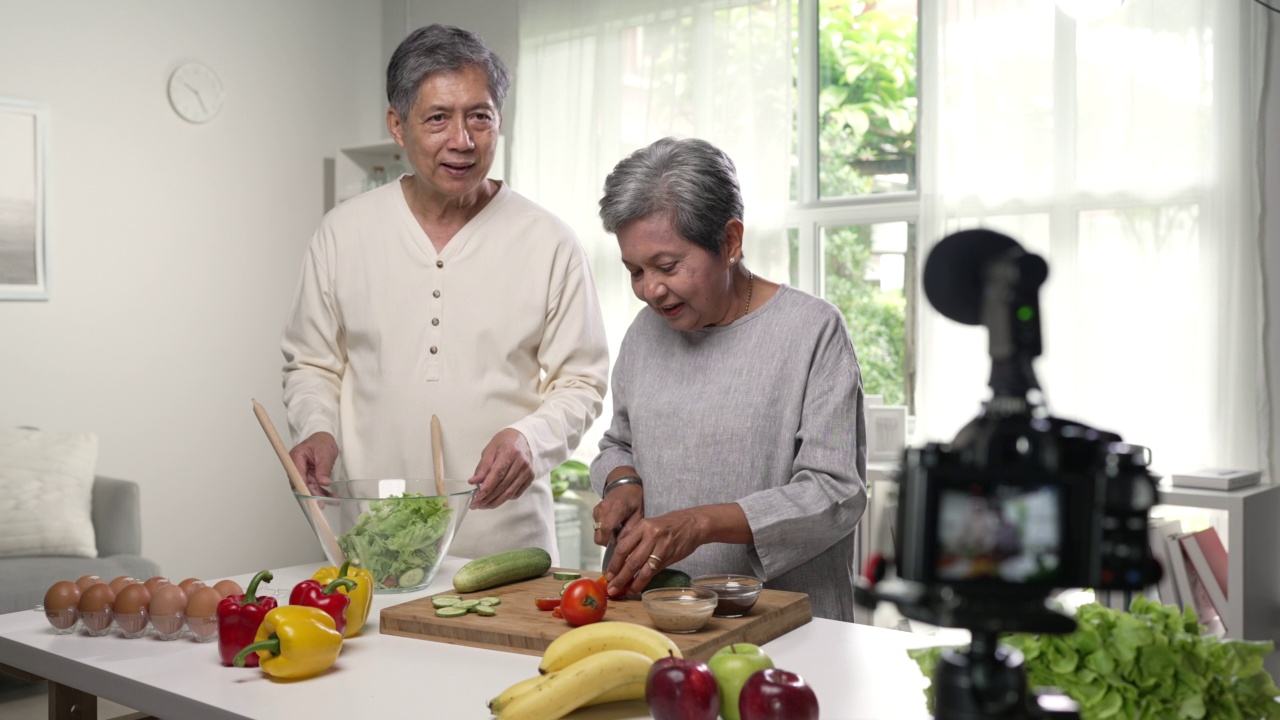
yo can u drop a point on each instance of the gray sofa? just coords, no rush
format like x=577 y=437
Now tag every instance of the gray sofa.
x=117 y=523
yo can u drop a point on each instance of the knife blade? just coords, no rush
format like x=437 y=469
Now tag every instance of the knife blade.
x=608 y=552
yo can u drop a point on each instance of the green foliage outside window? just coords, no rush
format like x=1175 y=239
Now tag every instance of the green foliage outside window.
x=867 y=114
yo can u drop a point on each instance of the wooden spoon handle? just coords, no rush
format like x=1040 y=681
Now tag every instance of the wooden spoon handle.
x=437 y=454
x=299 y=485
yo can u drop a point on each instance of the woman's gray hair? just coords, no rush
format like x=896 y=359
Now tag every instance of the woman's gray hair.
x=692 y=181
x=440 y=48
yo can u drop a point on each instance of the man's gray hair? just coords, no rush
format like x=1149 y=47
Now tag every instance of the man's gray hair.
x=440 y=48
x=692 y=181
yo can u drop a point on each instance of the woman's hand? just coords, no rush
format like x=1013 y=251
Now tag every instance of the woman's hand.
x=648 y=545
x=622 y=506
x=314 y=458
x=505 y=470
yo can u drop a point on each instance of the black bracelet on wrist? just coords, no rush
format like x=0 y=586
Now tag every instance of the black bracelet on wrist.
x=625 y=480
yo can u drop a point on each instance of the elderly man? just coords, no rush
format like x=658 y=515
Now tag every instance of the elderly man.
x=446 y=293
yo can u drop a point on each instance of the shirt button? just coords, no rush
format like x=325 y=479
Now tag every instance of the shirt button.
x=439 y=263
x=433 y=349
x=435 y=294
x=435 y=321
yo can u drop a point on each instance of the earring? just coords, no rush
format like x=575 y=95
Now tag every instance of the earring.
x=733 y=261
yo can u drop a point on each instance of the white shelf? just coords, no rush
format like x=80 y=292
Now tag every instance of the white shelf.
x=354 y=167
x=1253 y=557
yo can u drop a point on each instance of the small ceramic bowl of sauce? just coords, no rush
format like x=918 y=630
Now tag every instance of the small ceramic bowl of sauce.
x=737 y=593
x=679 y=609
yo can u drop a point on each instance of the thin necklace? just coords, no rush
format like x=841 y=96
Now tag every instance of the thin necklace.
x=751 y=285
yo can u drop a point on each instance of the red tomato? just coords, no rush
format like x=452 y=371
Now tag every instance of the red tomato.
x=547 y=603
x=603 y=582
x=583 y=602
x=556 y=613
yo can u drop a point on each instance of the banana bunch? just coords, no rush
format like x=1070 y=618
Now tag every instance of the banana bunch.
x=588 y=665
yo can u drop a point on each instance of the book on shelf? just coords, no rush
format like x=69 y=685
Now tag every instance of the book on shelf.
x=1207 y=608
x=1199 y=570
x=1178 y=568
x=1217 y=479
x=1206 y=546
x=1159 y=531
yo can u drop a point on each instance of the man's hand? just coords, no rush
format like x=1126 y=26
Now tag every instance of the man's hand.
x=314 y=458
x=505 y=470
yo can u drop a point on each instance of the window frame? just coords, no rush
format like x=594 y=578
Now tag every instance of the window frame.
x=809 y=213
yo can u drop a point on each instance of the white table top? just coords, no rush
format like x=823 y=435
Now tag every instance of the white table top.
x=859 y=672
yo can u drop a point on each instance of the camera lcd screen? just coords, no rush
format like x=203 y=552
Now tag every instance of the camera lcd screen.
x=1000 y=533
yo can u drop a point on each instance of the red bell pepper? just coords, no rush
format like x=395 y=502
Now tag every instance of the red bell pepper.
x=238 y=619
x=325 y=597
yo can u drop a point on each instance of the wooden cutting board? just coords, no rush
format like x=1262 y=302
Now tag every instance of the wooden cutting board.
x=520 y=627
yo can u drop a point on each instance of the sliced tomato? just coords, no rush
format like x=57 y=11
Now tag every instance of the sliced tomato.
x=583 y=602
x=556 y=613
x=547 y=603
x=603 y=582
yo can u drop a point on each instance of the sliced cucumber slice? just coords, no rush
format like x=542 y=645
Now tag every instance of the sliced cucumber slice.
x=412 y=577
x=566 y=575
x=451 y=611
x=466 y=604
x=443 y=601
x=485 y=610
x=491 y=601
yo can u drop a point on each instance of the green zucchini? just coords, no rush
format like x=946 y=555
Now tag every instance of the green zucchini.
x=501 y=568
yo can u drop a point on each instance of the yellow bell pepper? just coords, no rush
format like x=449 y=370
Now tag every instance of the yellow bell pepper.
x=294 y=641
x=361 y=595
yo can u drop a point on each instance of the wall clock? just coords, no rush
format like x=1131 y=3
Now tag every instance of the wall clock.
x=195 y=92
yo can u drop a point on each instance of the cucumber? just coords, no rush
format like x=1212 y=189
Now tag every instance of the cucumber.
x=411 y=577
x=669 y=578
x=491 y=601
x=451 y=611
x=501 y=568
x=466 y=604
x=484 y=610
x=566 y=575
x=440 y=602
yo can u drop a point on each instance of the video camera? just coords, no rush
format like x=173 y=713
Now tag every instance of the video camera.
x=1019 y=504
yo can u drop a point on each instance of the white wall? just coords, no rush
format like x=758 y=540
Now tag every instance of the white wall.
x=175 y=247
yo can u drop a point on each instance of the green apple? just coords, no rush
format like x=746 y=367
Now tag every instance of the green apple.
x=732 y=665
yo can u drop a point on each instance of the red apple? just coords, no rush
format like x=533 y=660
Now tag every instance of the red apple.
x=680 y=689
x=775 y=694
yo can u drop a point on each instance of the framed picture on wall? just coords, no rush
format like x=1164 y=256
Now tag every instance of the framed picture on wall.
x=24 y=251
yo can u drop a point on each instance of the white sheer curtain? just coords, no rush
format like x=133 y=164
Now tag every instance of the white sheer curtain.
x=597 y=80
x=1122 y=149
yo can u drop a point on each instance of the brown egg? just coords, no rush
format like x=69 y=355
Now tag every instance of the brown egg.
x=168 y=599
x=204 y=602
x=118 y=584
x=191 y=585
x=62 y=595
x=228 y=587
x=96 y=598
x=155 y=582
x=87 y=580
x=132 y=599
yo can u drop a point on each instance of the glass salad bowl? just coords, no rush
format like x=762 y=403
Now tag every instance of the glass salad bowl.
x=397 y=529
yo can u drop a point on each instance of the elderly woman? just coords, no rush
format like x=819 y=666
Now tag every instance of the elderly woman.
x=737 y=442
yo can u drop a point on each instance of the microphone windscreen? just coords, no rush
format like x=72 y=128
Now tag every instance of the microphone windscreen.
x=954 y=273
